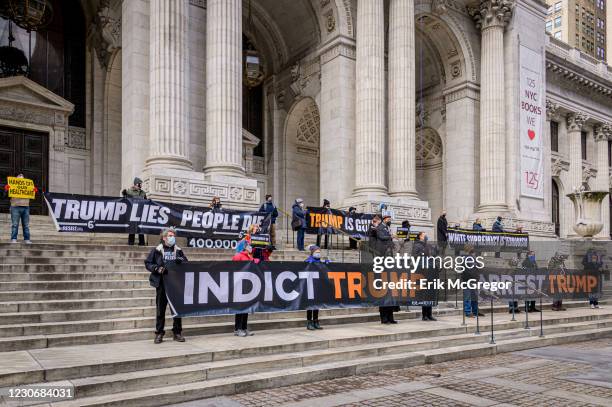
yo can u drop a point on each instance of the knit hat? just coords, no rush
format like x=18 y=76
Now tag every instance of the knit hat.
x=313 y=248
x=299 y=200
x=325 y=202
x=137 y=181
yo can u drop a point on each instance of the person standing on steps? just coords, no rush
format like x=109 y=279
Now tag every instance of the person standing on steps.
x=353 y=239
x=20 y=211
x=298 y=222
x=215 y=204
x=324 y=228
x=135 y=191
x=531 y=267
x=244 y=253
x=312 y=315
x=385 y=247
x=167 y=251
x=269 y=208
x=422 y=249
x=442 y=232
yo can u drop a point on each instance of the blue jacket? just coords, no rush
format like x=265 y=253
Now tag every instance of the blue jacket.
x=299 y=213
x=269 y=207
x=478 y=227
x=498 y=227
x=311 y=259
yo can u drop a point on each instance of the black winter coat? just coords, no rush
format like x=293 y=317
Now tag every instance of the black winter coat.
x=384 y=241
x=442 y=229
x=155 y=260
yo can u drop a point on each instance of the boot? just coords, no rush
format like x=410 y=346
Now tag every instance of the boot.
x=430 y=314
x=159 y=338
x=179 y=338
x=317 y=325
x=310 y=326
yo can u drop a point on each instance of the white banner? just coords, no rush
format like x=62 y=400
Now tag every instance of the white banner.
x=531 y=128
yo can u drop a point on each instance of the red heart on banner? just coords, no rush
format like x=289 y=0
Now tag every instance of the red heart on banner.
x=531 y=134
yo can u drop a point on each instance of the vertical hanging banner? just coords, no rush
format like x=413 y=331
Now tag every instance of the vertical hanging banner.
x=531 y=99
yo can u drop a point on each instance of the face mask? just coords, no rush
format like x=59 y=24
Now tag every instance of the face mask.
x=270 y=199
x=388 y=223
x=425 y=238
x=316 y=255
x=301 y=205
x=170 y=240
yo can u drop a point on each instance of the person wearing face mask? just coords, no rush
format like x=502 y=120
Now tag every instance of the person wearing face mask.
x=312 y=315
x=422 y=249
x=325 y=230
x=244 y=253
x=269 y=208
x=167 y=251
x=298 y=222
x=215 y=204
x=135 y=191
x=20 y=211
x=385 y=247
x=530 y=266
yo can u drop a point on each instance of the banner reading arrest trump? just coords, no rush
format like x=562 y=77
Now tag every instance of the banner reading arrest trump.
x=21 y=188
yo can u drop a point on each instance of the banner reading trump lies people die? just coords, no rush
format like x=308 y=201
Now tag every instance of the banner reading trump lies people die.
x=530 y=125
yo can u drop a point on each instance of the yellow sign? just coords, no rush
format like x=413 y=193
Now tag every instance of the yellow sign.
x=21 y=188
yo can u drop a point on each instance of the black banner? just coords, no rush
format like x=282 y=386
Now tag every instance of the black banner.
x=97 y=214
x=325 y=221
x=203 y=288
x=488 y=241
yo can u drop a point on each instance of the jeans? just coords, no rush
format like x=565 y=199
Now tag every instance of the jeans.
x=23 y=213
x=300 y=239
x=312 y=315
x=470 y=307
x=132 y=237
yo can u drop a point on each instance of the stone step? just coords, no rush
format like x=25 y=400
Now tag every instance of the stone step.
x=70 y=268
x=79 y=304
x=75 y=294
x=145 y=379
x=72 y=285
x=216 y=376
x=65 y=276
x=32 y=336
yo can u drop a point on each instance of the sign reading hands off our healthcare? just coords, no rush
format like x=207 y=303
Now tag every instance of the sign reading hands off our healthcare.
x=21 y=188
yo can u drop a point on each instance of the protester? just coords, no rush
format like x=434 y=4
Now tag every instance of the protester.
x=298 y=222
x=354 y=238
x=215 y=204
x=470 y=295
x=269 y=208
x=167 y=251
x=312 y=315
x=422 y=249
x=442 y=232
x=241 y=320
x=373 y=235
x=385 y=247
x=498 y=225
x=592 y=263
x=135 y=191
x=556 y=264
x=530 y=265
x=326 y=230
x=20 y=211
x=477 y=225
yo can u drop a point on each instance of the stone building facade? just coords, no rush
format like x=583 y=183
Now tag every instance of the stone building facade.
x=416 y=104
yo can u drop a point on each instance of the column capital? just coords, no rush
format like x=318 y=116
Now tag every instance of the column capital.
x=575 y=121
x=551 y=109
x=602 y=131
x=492 y=13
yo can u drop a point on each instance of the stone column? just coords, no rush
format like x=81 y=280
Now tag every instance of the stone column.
x=602 y=180
x=224 y=88
x=168 y=99
x=551 y=111
x=370 y=99
x=575 y=122
x=491 y=17
x=402 y=100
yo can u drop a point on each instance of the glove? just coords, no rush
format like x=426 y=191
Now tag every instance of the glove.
x=178 y=260
x=7 y=187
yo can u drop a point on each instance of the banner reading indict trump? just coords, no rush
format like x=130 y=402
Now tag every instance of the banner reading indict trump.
x=531 y=101
x=98 y=214
x=324 y=220
x=215 y=287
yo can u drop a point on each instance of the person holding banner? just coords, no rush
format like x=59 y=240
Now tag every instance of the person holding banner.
x=477 y=225
x=385 y=247
x=325 y=230
x=245 y=253
x=215 y=204
x=312 y=315
x=20 y=211
x=269 y=208
x=530 y=265
x=422 y=249
x=166 y=251
x=298 y=222
x=353 y=238
x=135 y=191
x=592 y=262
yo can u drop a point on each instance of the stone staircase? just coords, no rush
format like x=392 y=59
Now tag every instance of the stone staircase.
x=77 y=310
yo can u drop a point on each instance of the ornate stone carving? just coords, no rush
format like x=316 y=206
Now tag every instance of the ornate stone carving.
x=76 y=138
x=600 y=133
x=428 y=147
x=440 y=7
x=422 y=115
x=551 y=109
x=27 y=115
x=308 y=127
x=558 y=164
x=198 y=3
x=575 y=121
x=588 y=172
x=490 y=13
x=106 y=33
x=456 y=69
x=341 y=49
x=330 y=21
